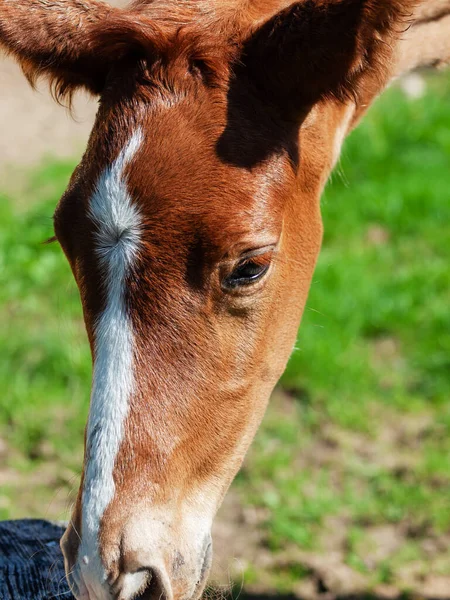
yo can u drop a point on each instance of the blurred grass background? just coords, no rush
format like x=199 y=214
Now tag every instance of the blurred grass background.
x=352 y=463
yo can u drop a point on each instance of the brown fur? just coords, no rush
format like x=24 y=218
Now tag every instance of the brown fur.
x=338 y=39
x=244 y=106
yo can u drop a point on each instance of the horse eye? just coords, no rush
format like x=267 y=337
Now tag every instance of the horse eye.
x=247 y=272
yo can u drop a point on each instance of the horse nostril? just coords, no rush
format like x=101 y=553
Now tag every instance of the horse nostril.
x=154 y=587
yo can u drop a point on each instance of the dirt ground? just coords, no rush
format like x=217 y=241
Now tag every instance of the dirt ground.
x=34 y=126
x=241 y=543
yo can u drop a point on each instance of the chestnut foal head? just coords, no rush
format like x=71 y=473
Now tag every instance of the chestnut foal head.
x=192 y=227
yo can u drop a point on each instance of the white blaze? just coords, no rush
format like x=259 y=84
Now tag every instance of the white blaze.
x=118 y=228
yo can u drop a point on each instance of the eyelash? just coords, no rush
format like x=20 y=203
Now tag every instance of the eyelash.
x=257 y=266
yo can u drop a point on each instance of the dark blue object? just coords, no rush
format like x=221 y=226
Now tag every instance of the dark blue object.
x=31 y=563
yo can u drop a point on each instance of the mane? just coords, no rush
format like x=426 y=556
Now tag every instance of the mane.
x=168 y=53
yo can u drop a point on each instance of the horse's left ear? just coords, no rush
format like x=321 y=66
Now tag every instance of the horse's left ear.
x=319 y=48
x=73 y=43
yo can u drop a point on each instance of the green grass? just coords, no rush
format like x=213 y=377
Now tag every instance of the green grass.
x=360 y=439
x=45 y=366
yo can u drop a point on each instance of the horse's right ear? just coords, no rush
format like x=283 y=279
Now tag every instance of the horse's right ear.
x=74 y=43
x=319 y=48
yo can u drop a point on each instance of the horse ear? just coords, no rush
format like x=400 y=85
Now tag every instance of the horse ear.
x=74 y=43
x=319 y=48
